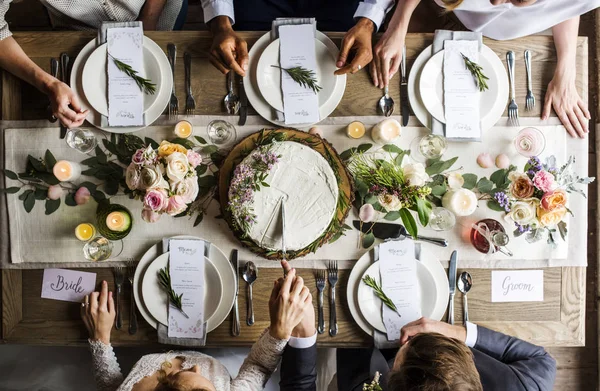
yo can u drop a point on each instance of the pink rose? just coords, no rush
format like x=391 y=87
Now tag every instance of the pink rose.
x=54 y=192
x=150 y=216
x=195 y=159
x=156 y=200
x=187 y=189
x=144 y=156
x=82 y=196
x=176 y=205
x=544 y=181
x=132 y=176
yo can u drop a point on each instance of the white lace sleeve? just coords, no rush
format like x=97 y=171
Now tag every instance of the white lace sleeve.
x=260 y=363
x=106 y=367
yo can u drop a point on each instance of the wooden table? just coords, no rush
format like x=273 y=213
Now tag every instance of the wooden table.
x=26 y=318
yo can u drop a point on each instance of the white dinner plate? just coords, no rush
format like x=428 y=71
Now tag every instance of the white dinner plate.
x=427 y=258
x=370 y=305
x=260 y=104
x=218 y=259
x=155 y=297
x=95 y=78
x=416 y=102
x=163 y=91
x=269 y=77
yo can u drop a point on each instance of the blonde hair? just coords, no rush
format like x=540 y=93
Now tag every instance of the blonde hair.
x=451 y=5
x=168 y=382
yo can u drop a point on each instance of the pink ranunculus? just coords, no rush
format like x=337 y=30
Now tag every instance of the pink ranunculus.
x=194 y=158
x=544 y=181
x=150 y=216
x=366 y=213
x=156 y=200
x=54 y=192
x=132 y=176
x=176 y=205
x=82 y=196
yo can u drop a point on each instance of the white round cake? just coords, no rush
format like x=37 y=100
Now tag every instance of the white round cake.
x=306 y=183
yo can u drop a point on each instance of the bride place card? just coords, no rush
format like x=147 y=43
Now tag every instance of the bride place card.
x=186 y=265
x=297 y=49
x=125 y=99
x=398 y=269
x=67 y=285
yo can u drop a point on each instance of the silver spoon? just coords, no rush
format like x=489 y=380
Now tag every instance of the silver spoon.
x=386 y=103
x=250 y=275
x=464 y=284
x=232 y=102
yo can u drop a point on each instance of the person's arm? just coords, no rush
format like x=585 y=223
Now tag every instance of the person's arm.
x=151 y=12
x=375 y=10
x=562 y=92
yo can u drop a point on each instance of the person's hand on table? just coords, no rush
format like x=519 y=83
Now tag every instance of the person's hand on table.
x=425 y=325
x=387 y=56
x=287 y=305
x=357 y=41
x=228 y=50
x=306 y=328
x=65 y=104
x=98 y=314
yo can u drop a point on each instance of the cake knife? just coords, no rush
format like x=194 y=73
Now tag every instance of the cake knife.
x=235 y=324
x=283 y=250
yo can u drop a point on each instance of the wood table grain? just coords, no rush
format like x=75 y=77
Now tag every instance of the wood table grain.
x=26 y=318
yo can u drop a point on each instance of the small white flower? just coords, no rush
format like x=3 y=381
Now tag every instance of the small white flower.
x=415 y=174
x=390 y=202
x=455 y=180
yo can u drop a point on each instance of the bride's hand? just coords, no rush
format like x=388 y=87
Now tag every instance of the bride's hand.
x=98 y=314
x=387 y=56
x=306 y=328
x=287 y=304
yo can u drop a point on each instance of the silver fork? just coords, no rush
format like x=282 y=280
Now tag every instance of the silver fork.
x=119 y=276
x=133 y=325
x=320 y=278
x=173 y=103
x=529 y=99
x=513 y=109
x=190 y=102
x=332 y=272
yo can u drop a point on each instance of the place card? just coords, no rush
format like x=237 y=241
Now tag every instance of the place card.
x=517 y=285
x=398 y=269
x=297 y=49
x=186 y=265
x=461 y=94
x=125 y=99
x=67 y=285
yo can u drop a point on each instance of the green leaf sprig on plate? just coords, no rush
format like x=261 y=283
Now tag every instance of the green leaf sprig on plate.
x=304 y=77
x=164 y=278
x=477 y=72
x=370 y=281
x=144 y=84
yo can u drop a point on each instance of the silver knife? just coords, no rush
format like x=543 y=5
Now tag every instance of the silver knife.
x=243 y=102
x=283 y=250
x=235 y=324
x=64 y=67
x=404 y=105
x=452 y=285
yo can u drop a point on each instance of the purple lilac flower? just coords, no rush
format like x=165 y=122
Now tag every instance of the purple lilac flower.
x=535 y=163
x=522 y=228
x=502 y=200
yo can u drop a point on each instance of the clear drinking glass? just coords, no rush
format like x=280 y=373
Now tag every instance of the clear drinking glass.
x=530 y=142
x=441 y=219
x=82 y=140
x=221 y=132
x=98 y=249
x=428 y=147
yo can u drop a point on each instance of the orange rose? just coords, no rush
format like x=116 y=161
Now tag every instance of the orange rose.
x=551 y=218
x=556 y=199
x=166 y=148
x=522 y=187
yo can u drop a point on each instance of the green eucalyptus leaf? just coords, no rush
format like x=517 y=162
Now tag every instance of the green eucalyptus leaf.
x=70 y=199
x=111 y=187
x=10 y=190
x=199 y=219
x=347 y=154
x=440 y=166
x=470 y=181
x=393 y=215
x=40 y=194
x=207 y=181
x=99 y=196
x=210 y=149
x=29 y=202
x=151 y=143
x=562 y=228
x=498 y=177
x=392 y=148
x=201 y=169
x=93 y=161
x=370 y=199
x=11 y=175
x=368 y=240
x=110 y=147
x=50 y=160
x=377 y=206
x=25 y=194
x=183 y=141
x=439 y=190
x=363 y=147
x=361 y=187
x=36 y=164
x=484 y=185
x=423 y=210
x=494 y=205
x=48 y=178
x=52 y=206
x=201 y=140
x=409 y=222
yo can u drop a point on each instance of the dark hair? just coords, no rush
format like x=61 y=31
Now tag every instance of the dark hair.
x=169 y=382
x=434 y=362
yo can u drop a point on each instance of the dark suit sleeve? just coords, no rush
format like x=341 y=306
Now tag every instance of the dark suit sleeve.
x=513 y=362
x=299 y=369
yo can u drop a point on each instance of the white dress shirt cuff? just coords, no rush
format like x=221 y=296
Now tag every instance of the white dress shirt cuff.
x=373 y=10
x=471 y=334
x=303 y=343
x=218 y=8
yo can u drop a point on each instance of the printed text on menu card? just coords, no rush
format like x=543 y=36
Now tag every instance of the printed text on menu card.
x=398 y=270
x=186 y=265
x=125 y=99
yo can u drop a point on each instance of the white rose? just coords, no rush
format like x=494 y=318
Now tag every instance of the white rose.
x=455 y=180
x=523 y=212
x=187 y=189
x=151 y=177
x=132 y=176
x=177 y=166
x=415 y=174
x=390 y=202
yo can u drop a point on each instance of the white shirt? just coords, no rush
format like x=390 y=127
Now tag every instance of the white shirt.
x=506 y=21
x=374 y=10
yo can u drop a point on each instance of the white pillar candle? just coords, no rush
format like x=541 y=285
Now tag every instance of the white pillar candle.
x=386 y=131
x=66 y=171
x=461 y=202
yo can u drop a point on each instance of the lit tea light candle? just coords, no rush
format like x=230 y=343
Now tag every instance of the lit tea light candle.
x=386 y=131
x=85 y=232
x=183 y=129
x=66 y=171
x=355 y=129
x=461 y=202
x=118 y=221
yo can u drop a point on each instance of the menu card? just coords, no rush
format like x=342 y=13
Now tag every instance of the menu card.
x=297 y=49
x=125 y=99
x=186 y=265
x=461 y=94
x=398 y=269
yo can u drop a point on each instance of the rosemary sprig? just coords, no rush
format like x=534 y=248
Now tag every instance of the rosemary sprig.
x=370 y=281
x=145 y=85
x=304 y=77
x=477 y=72
x=164 y=278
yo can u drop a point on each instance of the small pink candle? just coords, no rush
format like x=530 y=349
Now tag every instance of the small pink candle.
x=66 y=171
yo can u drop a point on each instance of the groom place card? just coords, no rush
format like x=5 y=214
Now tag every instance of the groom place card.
x=67 y=285
x=517 y=285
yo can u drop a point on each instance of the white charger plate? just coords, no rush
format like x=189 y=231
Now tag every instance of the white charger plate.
x=427 y=259
x=95 y=78
x=416 y=100
x=370 y=305
x=218 y=259
x=163 y=91
x=260 y=104
x=156 y=299
x=269 y=78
